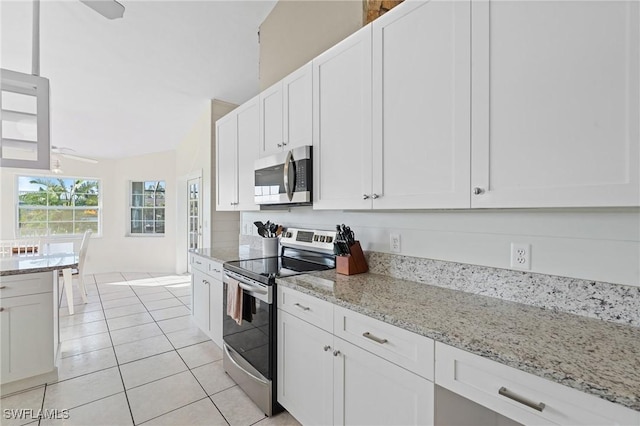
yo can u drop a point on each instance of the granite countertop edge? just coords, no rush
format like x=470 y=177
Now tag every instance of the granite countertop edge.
x=474 y=346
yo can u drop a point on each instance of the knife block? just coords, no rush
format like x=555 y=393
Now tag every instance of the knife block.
x=353 y=263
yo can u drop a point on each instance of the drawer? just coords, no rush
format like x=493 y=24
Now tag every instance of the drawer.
x=207 y=265
x=404 y=348
x=215 y=269
x=22 y=285
x=311 y=309
x=481 y=380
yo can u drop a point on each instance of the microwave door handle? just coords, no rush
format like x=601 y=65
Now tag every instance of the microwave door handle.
x=287 y=185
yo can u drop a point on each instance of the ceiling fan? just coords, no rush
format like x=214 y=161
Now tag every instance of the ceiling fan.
x=69 y=153
x=110 y=9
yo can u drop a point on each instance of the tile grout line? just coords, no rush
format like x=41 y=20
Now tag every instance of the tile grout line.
x=185 y=363
x=115 y=354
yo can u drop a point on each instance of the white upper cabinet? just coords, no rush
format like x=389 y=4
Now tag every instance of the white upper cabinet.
x=342 y=124
x=392 y=118
x=297 y=89
x=271 y=138
x=285 y=113
x=421 y=106
x=236 y=151
x=555 y=103
x=248 y=118
x=226 y=162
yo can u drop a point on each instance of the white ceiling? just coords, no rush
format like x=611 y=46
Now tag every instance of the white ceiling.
x=136 y=85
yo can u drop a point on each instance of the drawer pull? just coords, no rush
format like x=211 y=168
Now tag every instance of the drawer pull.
x=505 y=392
x=374 y=338
x=304 y=308
x=2 y=286
x=1 y=309
x=198 y=262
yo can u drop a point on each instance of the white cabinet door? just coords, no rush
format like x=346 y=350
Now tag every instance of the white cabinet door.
x=26 y=334
x=271 y=120
x=421 y=106
x=200 y=310
x=226 y=162
x=305 y=370
x=555 y=99
x=342 y=124
x=372 y=391
x=297 y=115
x=248 y=129
x=216 y=291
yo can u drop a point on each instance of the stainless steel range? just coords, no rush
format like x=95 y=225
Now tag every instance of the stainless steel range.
x=250 y=347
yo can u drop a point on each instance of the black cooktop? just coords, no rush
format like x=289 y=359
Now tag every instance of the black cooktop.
x=267 y=269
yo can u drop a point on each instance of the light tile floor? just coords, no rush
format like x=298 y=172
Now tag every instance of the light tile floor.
x=132 y=355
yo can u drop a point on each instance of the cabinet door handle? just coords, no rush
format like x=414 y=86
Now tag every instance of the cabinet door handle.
x=365 y=196
x=205 y=282
x=375 y=196
x=336 y=353
x=1 y=309
x=522 y=400
x=374 y=338
x=2 y=286
x=327 y=348
x=284 y=144
x=304 y=308
x=198 y=262
x=279 y=145
x=477 y=190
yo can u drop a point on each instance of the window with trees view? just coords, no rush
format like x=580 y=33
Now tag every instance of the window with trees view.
x=147 y=207
x=57 y=205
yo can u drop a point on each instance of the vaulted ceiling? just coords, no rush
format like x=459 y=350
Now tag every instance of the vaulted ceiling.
x=136 y=85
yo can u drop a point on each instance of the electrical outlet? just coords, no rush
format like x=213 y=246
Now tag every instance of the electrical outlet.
x=394 y=242
x=521 y=256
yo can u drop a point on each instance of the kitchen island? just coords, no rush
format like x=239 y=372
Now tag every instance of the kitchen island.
x=29 y=316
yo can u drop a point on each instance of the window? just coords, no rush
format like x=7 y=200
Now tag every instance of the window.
x=147 y=207
x=57 y=205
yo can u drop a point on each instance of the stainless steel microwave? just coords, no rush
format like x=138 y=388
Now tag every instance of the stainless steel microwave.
x=284 y=178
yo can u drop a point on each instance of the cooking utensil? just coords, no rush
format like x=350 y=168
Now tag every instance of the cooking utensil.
x=262 y=230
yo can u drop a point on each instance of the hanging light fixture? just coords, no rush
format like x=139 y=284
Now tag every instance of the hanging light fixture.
x=56 y=167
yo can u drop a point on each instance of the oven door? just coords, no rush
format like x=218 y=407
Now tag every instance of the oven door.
x=254 y=339
x=284 y=178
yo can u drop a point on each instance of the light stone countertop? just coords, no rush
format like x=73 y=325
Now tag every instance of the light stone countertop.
x=30 y=263
x=222 y=255
x=594 y=356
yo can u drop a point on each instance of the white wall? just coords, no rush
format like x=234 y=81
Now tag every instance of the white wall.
x=593 y=244
x=112 y=250
x=195 y=156
x=295 y=32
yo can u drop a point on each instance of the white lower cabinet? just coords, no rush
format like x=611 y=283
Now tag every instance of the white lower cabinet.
x=305 y=370
x=207 y=291
x=26 y=326
x=369 y=390
x=521 y=396
x=323 y=379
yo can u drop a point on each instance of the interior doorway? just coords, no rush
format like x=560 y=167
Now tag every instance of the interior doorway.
x=194 y=220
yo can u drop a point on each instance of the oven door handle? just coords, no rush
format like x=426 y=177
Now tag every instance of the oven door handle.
x=235 y=363
x=252 y=288
x=288 y=187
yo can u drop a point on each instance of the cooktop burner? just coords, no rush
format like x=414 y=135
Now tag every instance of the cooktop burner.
x=292 y=262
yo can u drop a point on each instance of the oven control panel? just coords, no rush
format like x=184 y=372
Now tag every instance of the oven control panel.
x=308 y=238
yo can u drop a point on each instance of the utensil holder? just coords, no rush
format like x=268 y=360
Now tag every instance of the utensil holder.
x=269 y=247
x=353 y=263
